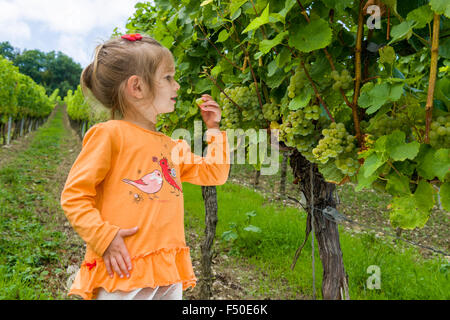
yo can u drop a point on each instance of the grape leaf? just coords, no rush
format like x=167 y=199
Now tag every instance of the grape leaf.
x=202 y=86
x=216 y=71
x=387 y=55
x=235 y=5
x=236 y=15
x=424 y=196
x=401 y=31
x=433 y=163
x=376 y=97
x=442 y=91
x=412 y=211
x=421 y=16
x=283 y=58
x=266 y=45
x=287 y=7
x=301 y=100
x=444 y=48
x=272 y=68
x=315 y=35
x=168 y=42
x=405 y=167
x=339 y=5
x=397 y=185
x=441 y=7
x=320 y=67
x=259 y=21
x=223 y=36
x=380 y=146
x=372 y=163
x=276 y=79
x=398 y=150
x=276 y=17
x=363 y=181
x=391 y=4
x=330 y=173
x=206 y=2
x=442 y=163
x=444 y=194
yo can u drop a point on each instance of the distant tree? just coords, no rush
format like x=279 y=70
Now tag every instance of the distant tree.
x=52 y=70
x=33 y=64
x=64 y=72
x=8 y=51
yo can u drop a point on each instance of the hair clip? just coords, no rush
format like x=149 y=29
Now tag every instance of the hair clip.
x=132 y=37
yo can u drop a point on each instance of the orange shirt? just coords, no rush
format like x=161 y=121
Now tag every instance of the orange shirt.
x=124 y=177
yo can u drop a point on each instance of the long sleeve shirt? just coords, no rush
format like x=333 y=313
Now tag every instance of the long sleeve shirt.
x=124 y=177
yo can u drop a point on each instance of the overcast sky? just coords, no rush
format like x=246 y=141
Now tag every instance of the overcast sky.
x=73 y=27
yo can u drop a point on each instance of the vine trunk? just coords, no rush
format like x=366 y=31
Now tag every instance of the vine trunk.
x=210 y=199
x=335 y=279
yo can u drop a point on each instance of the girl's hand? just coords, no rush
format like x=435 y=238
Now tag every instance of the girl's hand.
x=211 y=112
x=116 y=257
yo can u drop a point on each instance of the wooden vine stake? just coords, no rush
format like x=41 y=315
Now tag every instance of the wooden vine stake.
x=209 y=194
x=8 y=139
x=358 y=73
x=433 y=72
x=311 y=201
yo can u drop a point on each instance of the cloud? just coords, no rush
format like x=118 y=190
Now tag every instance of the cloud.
x=75 y=47
x=74 y=27
x=69 y=16
x=10 y=24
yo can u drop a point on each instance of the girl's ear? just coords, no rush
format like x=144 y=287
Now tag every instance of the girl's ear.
x=136 y=87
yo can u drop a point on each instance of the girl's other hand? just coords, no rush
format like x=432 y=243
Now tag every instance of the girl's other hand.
x=211 y=112
x=116 y=257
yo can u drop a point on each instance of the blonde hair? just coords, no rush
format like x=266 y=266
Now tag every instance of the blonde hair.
x=115 y=62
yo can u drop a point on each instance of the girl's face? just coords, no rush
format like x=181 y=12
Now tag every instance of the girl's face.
x=165 y=89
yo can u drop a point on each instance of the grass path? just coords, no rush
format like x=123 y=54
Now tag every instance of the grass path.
x=40 y=250
x=36 y=244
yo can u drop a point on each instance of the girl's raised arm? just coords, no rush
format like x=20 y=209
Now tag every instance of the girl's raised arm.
x=211 y=170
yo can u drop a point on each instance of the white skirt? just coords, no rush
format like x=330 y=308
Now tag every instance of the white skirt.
x=172 y=292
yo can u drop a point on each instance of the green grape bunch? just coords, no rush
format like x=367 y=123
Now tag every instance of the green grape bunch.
x=341 y=81
x=271 y=111
x=348 y=165
x=247 y=99
x=440 y=132
x=338 y=144
x=297 y=82
x=385 y=125
x=231 y=114
x=298 y=129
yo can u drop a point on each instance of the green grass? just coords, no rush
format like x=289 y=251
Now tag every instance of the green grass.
x=404 y=273
x=32 y=258
x=29 y=244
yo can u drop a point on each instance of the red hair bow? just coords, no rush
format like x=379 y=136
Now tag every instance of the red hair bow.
x=132 y=37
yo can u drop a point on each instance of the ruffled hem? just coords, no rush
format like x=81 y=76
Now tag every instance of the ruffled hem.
x=162 y=267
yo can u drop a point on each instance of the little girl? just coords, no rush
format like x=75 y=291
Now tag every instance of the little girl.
x=123 y=194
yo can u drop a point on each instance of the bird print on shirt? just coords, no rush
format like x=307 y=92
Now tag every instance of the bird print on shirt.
x=152 y=183
x=169 y=174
